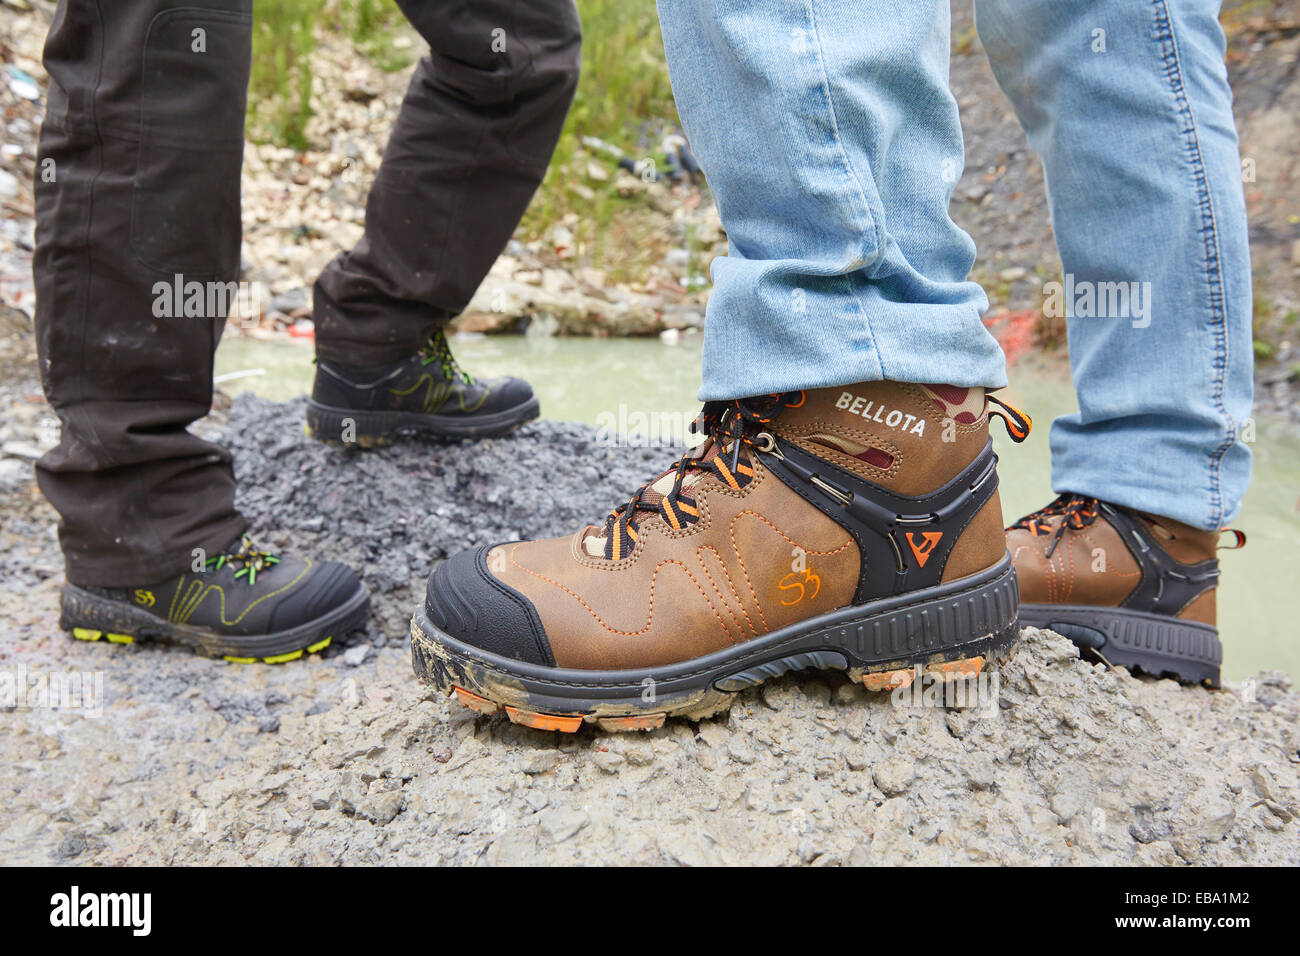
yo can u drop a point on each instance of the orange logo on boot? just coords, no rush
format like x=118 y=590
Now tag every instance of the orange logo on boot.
x=808 y=579
x=928 y=540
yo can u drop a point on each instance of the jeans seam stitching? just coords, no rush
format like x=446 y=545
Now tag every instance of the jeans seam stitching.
x=878 y=238
x=1209 y=236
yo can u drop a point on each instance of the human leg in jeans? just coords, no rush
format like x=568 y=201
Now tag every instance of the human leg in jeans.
x=1128 y=106
x=470 y=146
x=848 y=516
x=144 y=136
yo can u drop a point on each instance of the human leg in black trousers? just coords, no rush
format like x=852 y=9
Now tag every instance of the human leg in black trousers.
x=144 y=135
x=468 y=150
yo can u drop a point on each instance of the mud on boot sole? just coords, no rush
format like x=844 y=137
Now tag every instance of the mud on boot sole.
x=1155 y=644
x=951 y=631
x=91 y=617
x=374 y=429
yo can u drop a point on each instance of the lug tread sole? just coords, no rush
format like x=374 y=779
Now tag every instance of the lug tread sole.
x=90 y=617
x=379 y=428
x=1154 y=644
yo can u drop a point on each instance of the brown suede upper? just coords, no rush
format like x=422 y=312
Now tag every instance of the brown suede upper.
x=758 y=558
x=1093 y=566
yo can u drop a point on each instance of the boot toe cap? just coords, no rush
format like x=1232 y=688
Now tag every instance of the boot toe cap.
x=508 y=393
x=329 y=586
x=467 y=602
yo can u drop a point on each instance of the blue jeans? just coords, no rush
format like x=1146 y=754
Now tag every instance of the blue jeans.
x=832 y=145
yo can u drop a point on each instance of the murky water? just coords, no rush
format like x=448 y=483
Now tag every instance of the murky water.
x=646 y=387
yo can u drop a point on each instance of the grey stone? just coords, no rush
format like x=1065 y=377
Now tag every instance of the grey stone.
x=560 y=824
x=382 y=808
x=539 y=761
x=894 y=776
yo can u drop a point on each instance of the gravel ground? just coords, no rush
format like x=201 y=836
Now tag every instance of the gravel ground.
x=344 y=758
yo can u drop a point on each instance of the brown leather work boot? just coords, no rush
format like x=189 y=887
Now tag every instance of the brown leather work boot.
x=1133 y=589
x=854 y=528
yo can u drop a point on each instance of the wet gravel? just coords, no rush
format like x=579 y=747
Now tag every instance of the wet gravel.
x=344 y=758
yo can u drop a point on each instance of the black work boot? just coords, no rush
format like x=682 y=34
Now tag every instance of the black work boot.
x=426 y=393
x=244 y=605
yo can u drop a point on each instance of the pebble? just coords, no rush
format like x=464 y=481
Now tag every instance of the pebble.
x=894 y=776
x=740 y=750
x=979 y=771
x=607 y=760
x=562 y=824
x=534 y=762
x=382 y=808
x=639 y=754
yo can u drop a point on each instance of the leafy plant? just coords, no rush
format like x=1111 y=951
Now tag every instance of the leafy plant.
x=279 y=88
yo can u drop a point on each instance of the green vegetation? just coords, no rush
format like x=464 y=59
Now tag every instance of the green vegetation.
x=284 y=36
x=279 y=88
x=1269 y=327
x=372 y=25
x=624 y=98
x=964 y=43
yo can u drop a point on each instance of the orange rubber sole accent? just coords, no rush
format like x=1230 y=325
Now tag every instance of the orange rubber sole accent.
x=475 y=702
x=888 y=680
x=529 y=718
x=946 y=671
x=957 y=670
x=571 y=723
x=565 y=723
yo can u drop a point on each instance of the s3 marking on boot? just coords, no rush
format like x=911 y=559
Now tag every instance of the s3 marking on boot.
x=799 y=535
x=245 y=605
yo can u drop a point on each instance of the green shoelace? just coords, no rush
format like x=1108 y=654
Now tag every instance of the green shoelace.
x=248 y=559
x=437 y=350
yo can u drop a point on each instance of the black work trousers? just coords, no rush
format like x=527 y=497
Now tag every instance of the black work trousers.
x=144 y=128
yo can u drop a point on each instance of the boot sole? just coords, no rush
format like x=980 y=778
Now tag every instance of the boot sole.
x=951 y=631
x=1154 y=644
x=92 y=617
x=374 y=429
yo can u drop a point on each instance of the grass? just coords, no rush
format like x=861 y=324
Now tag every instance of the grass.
x=372 y=25
x=284 y=37
x=279 y=87
x=624 y=98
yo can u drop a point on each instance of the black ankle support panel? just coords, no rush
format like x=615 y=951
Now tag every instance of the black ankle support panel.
x=904 y=541
x=1167 y=586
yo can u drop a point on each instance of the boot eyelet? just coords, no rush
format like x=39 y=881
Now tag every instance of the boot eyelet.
x=765 y=442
